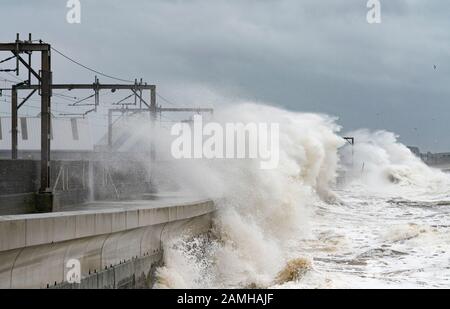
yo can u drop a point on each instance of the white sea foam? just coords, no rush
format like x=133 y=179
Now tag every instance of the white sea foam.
x=260 y=211
x=370 y=232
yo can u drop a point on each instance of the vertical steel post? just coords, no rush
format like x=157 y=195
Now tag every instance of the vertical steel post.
x=45 y=121
x=14 y=123
x=29 y=60
x=110 y=130
x=140 y=93
x=152 y=121
x=17 y=58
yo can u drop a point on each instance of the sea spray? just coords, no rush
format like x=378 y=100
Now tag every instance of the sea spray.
x=259 y=211
x=262 y=213
x=389 y=166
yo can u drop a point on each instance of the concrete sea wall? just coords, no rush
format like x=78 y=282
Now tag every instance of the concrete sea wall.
x=116 y=248
x=72 y=182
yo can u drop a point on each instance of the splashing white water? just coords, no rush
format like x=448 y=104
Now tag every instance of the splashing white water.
x=391 y=227
x=261 y=211
x=268 y=218
x=382 y=164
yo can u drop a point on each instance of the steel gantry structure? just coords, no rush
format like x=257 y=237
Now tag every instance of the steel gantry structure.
x=157 y=110
x=44 y=78
x=44 y=87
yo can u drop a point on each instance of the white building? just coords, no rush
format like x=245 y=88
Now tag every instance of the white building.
x=67 y=134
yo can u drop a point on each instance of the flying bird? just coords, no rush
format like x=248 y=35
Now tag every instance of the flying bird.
x=435 y=67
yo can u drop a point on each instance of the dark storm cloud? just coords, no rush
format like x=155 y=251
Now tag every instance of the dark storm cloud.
x=303 y=55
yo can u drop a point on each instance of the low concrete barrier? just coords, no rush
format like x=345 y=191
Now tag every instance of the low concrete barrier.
x=115 y=247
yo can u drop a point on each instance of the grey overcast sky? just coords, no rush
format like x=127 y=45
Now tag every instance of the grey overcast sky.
x=303 y=55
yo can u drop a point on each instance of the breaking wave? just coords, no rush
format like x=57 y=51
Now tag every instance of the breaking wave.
x=381 y=163
x=260 y=211
x=263 y=213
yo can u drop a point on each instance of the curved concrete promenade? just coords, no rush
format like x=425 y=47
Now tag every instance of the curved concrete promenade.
x=117 y=243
